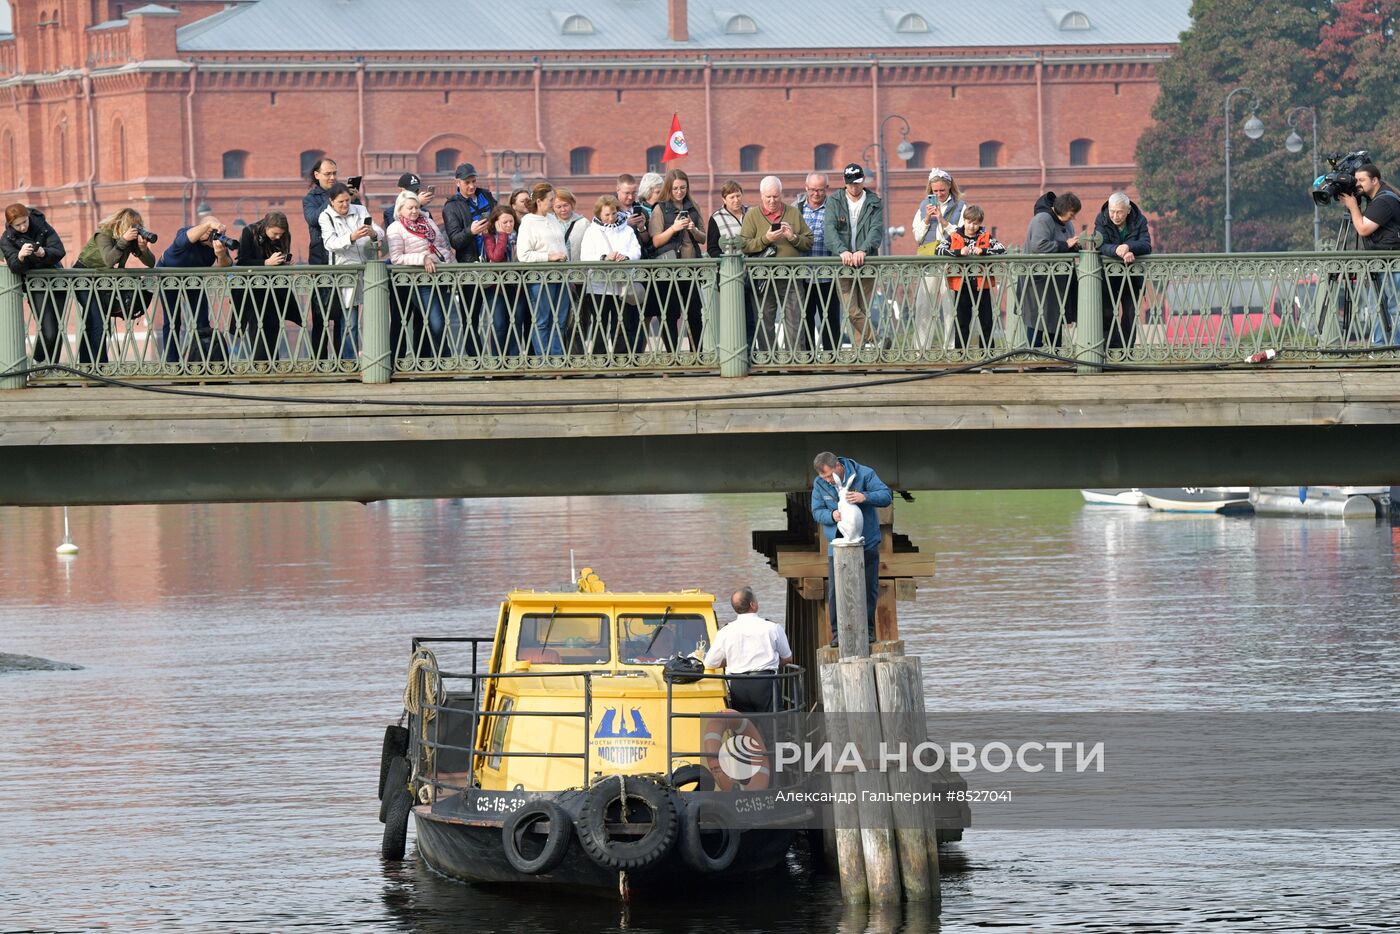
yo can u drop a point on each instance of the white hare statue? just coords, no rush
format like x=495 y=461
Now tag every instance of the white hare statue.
x=852 y=521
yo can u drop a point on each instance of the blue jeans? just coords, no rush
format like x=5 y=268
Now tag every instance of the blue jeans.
x=550 y=303
x=1388 y=302
x=872 y=588
x=426 y=307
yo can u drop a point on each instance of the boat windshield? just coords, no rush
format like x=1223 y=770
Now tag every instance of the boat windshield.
x=563 y=639
x=652 y=638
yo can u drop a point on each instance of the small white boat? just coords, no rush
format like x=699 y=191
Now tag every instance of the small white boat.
x=1131 y=497
x=1335 y=502
x=1222 y=499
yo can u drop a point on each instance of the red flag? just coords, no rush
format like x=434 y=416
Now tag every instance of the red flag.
x=675 y=143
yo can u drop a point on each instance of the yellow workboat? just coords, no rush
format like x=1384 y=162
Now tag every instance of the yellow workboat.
x=584 y=744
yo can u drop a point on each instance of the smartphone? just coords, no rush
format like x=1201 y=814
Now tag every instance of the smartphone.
x=685 y=214
x=427 y=191
x=354 y=181
x=777 y=225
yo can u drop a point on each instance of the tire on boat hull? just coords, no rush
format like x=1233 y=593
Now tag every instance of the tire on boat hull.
x=517 y=834
x=693 y=773
x=395 y=744
x=716 y=822
x=606 y=802
x=398 y=802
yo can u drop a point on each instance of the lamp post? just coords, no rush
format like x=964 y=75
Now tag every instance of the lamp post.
x=238 y=211
x=1253 y=128
x=516 y=161
x=905 y=151
x=1294 y=144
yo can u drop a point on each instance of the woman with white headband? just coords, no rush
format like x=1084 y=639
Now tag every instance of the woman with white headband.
x=939 y=213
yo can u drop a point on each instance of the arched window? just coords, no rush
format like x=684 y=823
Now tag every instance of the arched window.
x=989 y=154
x=912 y=22
x=576 y=25
x=309 y=159
x=581 y=161
x=919 y=160
x=235 y=163
x=654 y=155
x=1075 y=21
x=824 y=157
x=445 y=161
x=1081 y=152
x=751 y=159
x=740 y=25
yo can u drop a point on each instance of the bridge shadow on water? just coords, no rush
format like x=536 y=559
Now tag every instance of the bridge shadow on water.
x=802 y=895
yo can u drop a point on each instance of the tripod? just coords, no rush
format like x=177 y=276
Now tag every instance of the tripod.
x=1348 y=285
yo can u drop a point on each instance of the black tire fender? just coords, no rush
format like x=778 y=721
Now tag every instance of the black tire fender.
x=519 y=828
x=395 y=744
x=398 y=803
x=608 y=796
x=716 y=820
x=693 y=773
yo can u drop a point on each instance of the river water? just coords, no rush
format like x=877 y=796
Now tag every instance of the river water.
x=212 y=767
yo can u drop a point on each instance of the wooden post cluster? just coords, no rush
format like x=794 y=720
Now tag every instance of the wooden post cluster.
x=886 y=849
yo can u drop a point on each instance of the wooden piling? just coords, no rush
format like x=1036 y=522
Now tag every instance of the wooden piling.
x=872 y=787
x=846 y=818
x=901 y=723
x=852 y=626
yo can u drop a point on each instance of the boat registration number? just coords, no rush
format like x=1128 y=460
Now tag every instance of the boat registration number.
x=495 y=805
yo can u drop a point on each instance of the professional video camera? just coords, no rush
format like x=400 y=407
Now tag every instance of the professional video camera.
x=148 y=235
x=1342 y=179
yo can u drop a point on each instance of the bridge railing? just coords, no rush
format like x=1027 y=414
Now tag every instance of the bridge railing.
x=735 y=314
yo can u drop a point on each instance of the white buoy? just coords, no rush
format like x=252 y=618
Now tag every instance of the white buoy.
x=67 y=548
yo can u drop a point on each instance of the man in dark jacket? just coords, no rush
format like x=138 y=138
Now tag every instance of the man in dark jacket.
x=187 y=305
x=854 y=228
x=464 y=215
x=866 y=491
x=1126 y=239
x=29 y=243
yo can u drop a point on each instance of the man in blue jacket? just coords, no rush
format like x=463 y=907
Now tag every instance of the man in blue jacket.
x=866 y=492
x=1126 y=239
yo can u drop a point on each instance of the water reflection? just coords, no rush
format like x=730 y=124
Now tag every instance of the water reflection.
x=212 y=766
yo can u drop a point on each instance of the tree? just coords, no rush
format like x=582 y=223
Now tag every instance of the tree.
x=1338 y=58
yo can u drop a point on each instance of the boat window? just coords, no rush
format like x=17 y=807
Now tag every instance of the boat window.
x=563 y=639
x=498 y=732
x=652 y=638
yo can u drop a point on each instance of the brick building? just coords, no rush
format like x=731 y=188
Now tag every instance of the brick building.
x=108 y=103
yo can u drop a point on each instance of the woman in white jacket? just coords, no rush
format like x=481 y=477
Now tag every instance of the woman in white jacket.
x=541 y=240
x=414 y=240
x=351 y=239
x=935 y=218
x=609 y=299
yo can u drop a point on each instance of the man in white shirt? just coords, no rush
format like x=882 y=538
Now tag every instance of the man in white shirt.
x=750 y=645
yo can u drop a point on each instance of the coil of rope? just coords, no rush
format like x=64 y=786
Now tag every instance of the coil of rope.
x=420 y=695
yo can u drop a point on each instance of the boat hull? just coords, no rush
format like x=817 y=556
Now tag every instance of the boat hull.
x=1114 y=497
x=1331 y=502
x=472 y=851
x=1203 y=499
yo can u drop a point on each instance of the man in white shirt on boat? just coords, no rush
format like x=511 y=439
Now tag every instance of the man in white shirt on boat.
x=750 y=645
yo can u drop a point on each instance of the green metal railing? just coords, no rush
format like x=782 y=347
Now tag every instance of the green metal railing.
x=736 y=315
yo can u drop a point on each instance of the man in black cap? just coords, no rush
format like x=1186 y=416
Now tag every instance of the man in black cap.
x=408 y=182
x=855 y=226
x=464 y=215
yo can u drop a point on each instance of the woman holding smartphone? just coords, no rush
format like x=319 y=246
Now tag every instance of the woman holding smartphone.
x=676 y=233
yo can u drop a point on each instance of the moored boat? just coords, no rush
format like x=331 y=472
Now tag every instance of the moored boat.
x=1114 y=497
x=584 y=745
x=1206 y=499
x=1333 y=502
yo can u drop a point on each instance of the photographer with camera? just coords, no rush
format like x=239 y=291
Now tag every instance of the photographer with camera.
x=1379 y=228
x=202 y=246
x=258 y=313
x=117 y=239
x=29 y=243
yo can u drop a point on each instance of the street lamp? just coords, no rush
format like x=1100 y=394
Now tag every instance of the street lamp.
x=905 y=151
x=1253 y=128
x=517 y=160
x=1294 y=144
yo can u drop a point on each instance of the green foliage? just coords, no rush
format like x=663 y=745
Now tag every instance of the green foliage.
x=1340 y=58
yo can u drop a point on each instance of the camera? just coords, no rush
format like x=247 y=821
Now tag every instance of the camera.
x=1342 y=179
x=228 y=242
x=148 y=235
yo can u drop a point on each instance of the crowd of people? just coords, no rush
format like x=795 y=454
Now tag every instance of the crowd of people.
x=651 y=218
